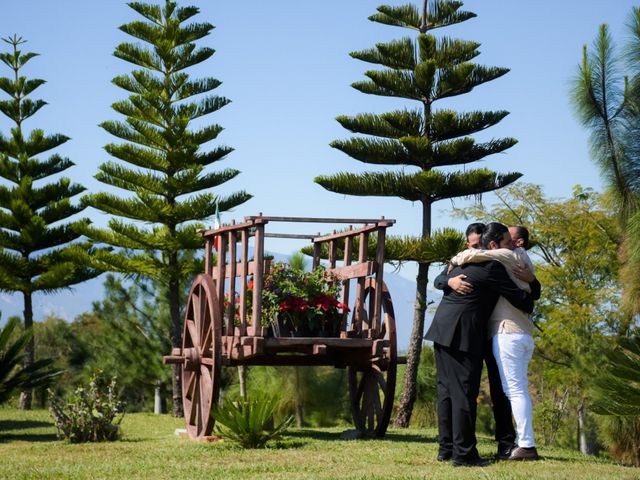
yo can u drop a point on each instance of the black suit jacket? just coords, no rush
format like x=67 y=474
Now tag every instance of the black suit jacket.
x=460 y=320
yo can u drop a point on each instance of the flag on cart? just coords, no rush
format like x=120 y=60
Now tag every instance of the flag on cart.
x=217 y=224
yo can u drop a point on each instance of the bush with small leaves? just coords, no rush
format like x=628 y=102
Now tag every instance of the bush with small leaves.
x=249 y=422
x=92 y=414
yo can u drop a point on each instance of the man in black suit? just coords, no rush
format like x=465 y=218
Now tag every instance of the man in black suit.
x=505 y=434
x=458 y=332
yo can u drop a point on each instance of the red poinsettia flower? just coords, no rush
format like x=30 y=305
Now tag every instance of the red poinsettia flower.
x=344 y=307
x=325 y=302
x=293 y=304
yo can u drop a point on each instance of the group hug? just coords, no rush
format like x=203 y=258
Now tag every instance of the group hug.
x=485 y=317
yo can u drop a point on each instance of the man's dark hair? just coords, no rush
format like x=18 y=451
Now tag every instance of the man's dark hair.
x=523 y=233
x=474 y=228
x=493 y=232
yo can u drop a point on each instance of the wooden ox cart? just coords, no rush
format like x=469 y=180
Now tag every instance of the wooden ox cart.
x=366 y=344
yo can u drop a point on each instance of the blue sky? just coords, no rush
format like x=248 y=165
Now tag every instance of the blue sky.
x=285 y=66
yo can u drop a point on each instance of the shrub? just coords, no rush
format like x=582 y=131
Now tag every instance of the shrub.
x=92 y=414
x=249 y=422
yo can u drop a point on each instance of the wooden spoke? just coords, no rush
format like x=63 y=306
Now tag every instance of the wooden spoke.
x=193 y=332
x=203 y=316
x=208 y=331
x=361 y=389
x=377 y=407
x=202 y=353
x=195 y=304
x=382 y=383
x=194 y=402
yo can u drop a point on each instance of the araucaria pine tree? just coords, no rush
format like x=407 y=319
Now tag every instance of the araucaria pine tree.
x=424 y=69
x=39 y=242
x=161 y=162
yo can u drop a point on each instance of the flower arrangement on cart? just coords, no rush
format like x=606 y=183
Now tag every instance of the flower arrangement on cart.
x=298 y=303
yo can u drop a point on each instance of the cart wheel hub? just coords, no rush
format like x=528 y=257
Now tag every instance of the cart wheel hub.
x=191 y=359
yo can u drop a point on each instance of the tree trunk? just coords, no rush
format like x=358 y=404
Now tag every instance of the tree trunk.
x=157 y=399
x=242 y=379
x=26 y=396
x=586 y=436
x=410 y=381
x=299 y=403
x=176 y=336
x=409 y=386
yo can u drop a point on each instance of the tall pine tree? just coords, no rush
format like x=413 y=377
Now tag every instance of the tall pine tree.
x=38 y=240
x=424 y=69
x=162 y=162
x=607 y=102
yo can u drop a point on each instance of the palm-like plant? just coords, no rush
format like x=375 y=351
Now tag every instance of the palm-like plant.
x=617 y=389
x=13 y=375
x=616 y=394
x=250 y=422
x=607 y=103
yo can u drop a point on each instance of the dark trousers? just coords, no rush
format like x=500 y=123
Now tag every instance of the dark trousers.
x=505 y=433
x=458 y=386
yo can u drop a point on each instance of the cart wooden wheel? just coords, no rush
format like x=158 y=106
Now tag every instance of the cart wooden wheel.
x=372 y=388
x=201 y=348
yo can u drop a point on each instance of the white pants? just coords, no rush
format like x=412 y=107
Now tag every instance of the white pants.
x=513 y=352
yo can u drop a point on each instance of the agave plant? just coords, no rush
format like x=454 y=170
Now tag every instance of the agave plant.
x=13 y=376
x=249 y=422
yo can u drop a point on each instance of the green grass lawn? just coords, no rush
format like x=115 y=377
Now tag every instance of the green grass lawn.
x=149 y=449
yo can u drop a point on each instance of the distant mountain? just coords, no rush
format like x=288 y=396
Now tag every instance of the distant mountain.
x=68 y=304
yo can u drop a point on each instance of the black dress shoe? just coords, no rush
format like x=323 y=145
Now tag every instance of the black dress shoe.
x=522 y=453
x=504 y=451
x=444 y=456
x=476 y=462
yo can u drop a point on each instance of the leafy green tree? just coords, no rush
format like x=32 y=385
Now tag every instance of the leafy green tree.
x=39 y=242
x=162 y=162
x=57 y=340
x=423 y=69
x=125 y=335
x=14 y=375
x=607 y=103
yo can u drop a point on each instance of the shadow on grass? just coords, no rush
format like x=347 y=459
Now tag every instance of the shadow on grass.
x=22 y=424
x=335 y=436
x=28 y=437
x=410 y=437
x=10 y=430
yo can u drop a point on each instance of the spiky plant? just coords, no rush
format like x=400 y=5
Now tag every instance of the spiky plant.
x=424 y=69
x=14 y=375
x=249 y=422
